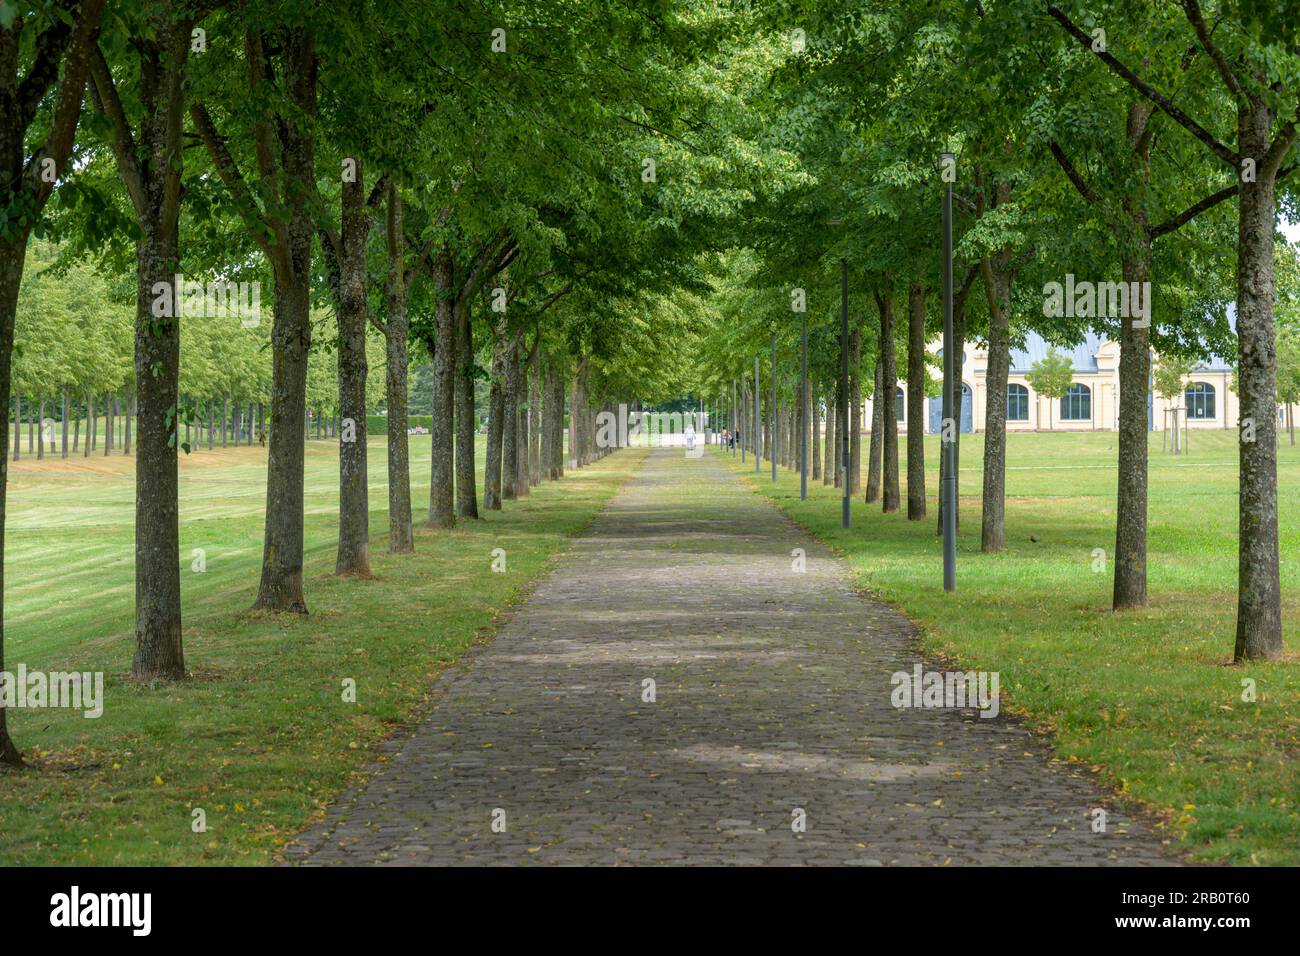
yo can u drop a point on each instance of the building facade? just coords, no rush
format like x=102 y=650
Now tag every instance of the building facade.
x=1092 y=403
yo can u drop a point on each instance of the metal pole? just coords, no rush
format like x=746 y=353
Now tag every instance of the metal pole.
x=843 y=411
x=746 y=438
x=772 y=411
x=735 y=419
x=948 y=427
x=758 y=418
x=803 y=413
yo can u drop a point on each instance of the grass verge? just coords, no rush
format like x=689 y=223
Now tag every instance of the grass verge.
x=260 y=738
x=1147 y=699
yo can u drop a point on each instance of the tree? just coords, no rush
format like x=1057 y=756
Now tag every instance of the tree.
x=1051 y=377
x=1138 y=194
x=44 y=57
x=1259 y=71
x=150 y=157
x=276 y=109
x=1288 y=373
x=1170 y=380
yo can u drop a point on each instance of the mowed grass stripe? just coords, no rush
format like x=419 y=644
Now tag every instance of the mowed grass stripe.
x=1145 y=698
x=260 y=738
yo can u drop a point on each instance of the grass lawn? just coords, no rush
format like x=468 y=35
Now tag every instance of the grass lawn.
x=261 y=738
x=1146 y=699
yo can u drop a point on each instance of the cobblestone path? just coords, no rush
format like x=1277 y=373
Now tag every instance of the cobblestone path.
x=772 y=696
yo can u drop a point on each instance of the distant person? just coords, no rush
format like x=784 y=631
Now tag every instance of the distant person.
x=690 y=438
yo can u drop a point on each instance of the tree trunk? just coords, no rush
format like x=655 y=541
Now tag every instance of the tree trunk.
x=156 y=168
x=535 y=417
x=888 y=402
x=997 y=282
x=401 y=535
x=1130 y=585
x=547 y=449
x=553 y=414
x=510 y=423
x=159 y=652
x=522 y=436
x=855 y=411
x=466 y=492
x=1259 y=590
x=579 y=411
x=280 y=587
x=492 y=489
x=442 y=487
x=573 y=424
x=789 y=433
x=815 y=446
x=916 y=381
x=12 y=258
x=875 y=453
x=353 y=319
x=63 y=413
x=955 y=400
x=831 y=473
x=40 y=425
x=126 y=422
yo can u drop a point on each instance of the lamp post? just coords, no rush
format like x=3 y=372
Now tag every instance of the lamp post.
x=948 y=427
x=740 y=415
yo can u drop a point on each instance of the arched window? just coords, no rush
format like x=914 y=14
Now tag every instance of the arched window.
x=1017 y=403
x=1076 y=406
x=900 y=404
x=1200 y=400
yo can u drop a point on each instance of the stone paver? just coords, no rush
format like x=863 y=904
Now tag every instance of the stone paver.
x=772 y=694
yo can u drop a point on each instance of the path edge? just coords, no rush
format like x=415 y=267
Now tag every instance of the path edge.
x=295 y=851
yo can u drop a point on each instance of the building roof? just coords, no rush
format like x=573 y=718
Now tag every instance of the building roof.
x=1083 y=357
